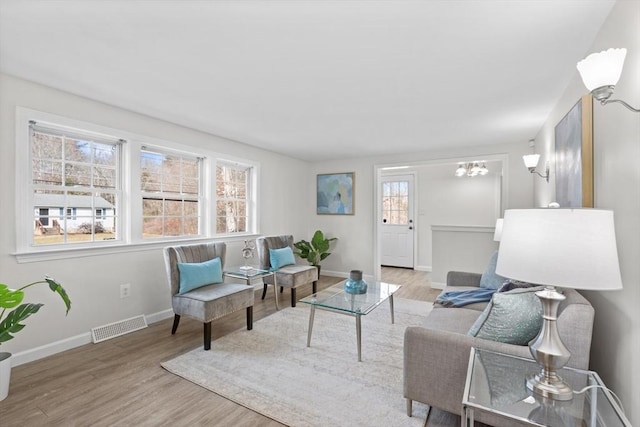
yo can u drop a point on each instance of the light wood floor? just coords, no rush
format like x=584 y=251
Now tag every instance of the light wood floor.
x=120 y=382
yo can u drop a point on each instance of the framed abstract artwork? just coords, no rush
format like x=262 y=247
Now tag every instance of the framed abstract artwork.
x=574 y=156
x=335 y=194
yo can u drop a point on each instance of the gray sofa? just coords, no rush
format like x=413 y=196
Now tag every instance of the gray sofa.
x=436 y=354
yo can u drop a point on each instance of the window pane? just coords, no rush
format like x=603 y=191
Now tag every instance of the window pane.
x=175 y=183
x=104 y=177
x=151 y=181
x=190 y=208
x=190 y=186
x=173 y=227
x=76 y=174
x=173 y=208
x=191 y=226
x=77 y=150
x=386 y=189
x=151 y=207
x=221 y=225
x=76 y=213
x=45 y=146
x=104 y=154
x=171 y=183
x=47 y=172
x=152 y=227
x=232 y=184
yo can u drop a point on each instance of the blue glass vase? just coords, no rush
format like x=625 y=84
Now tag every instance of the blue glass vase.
x=354 y=284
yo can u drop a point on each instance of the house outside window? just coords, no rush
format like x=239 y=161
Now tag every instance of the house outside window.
x=75 y=174
x=171 y=193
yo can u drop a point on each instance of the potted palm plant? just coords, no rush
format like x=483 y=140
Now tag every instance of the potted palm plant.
x=316 y=250
x=10 y=323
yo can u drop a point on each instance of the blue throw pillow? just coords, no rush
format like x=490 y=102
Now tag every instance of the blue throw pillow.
x=489 y=279
x=513 y=317
x=197 y=274
x=281 y=257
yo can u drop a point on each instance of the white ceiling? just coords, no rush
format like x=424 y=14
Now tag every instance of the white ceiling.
x=315 y=80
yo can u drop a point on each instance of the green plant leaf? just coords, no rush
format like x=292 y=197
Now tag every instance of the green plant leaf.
x=10 y=298
x=318 y=239
x=313 y=258
x=303 y=248
x=316 y=250
x=11 y=324
x=57 y=287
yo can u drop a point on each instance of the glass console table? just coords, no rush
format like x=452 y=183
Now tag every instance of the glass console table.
x=250 y=273
x=496 y=385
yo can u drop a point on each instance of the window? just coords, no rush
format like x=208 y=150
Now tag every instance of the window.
x=395 y=202
x=75 y=174
x=170 y=185
x=82 y=188
x=232 y=198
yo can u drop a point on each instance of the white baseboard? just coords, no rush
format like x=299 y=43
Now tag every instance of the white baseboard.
x=33 y=354
x=423 y=268
x=50 y=349
x=438 y=285
x=334 y=273
x=160 y=315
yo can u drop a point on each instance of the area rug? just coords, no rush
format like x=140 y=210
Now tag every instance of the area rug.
x=271 y=370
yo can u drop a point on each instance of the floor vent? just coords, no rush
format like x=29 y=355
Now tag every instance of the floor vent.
x=112 y=330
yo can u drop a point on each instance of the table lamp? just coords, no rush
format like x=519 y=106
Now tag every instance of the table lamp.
x=569 y=248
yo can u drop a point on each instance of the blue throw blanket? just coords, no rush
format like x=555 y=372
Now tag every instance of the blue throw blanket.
x=462 y=298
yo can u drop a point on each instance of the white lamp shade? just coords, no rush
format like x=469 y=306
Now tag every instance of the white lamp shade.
x=497 y=234
x=531 y=160
x=571 y=248
x=602 y=69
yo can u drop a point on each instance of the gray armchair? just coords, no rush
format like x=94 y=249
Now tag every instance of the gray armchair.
x=209 y=302
x=289 y=276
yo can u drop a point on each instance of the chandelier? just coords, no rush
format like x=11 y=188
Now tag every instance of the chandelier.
x=472 y=169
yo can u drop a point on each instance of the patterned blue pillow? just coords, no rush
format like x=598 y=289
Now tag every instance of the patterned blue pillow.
x=281 y=257
x=194 y=275
x=489 y=279
x=513 y=317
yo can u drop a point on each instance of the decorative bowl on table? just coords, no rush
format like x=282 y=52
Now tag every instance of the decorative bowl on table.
x=354 y=284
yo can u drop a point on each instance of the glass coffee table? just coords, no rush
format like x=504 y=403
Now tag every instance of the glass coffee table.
x=357 y=305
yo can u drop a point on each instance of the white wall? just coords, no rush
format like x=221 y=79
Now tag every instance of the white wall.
x=455 y=248
x=616 y=337
x=355 y=247
x=93 y=282
x=445 y=199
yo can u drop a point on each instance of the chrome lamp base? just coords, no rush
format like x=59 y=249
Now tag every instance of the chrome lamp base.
x=549 y=351
x=549 y=386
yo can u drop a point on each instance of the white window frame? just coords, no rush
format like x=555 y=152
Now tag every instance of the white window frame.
x=130 y=214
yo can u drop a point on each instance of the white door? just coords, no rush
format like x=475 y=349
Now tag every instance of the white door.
x=397 y=225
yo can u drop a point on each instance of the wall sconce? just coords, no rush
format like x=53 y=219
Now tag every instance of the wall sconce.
x=600 y=73
x=531 y=162
x=471 y=169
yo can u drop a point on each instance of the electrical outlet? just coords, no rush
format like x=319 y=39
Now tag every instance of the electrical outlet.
x=125 y=290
